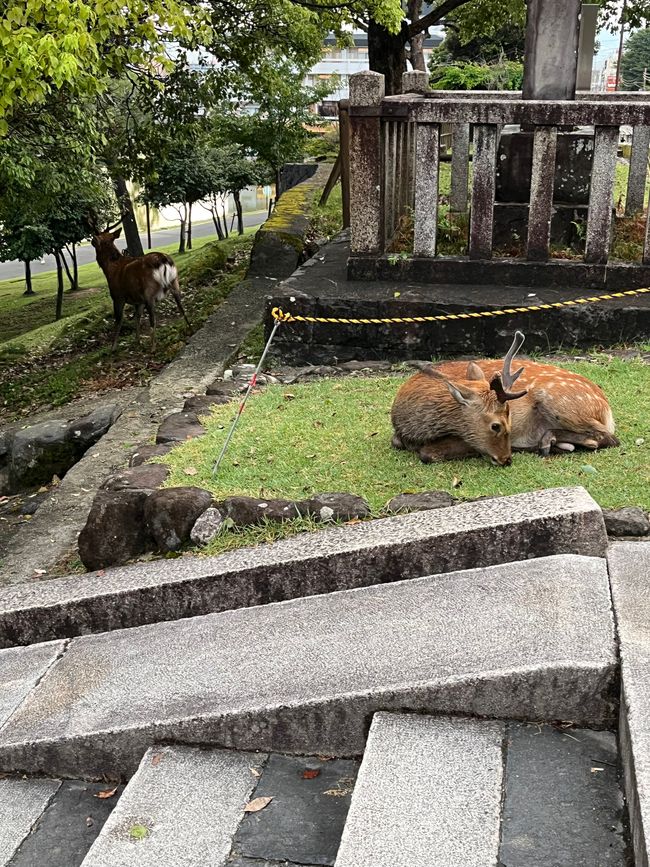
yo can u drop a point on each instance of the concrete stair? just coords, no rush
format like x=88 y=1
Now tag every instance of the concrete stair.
x=469 y=535
x=428 y=794
x=527 y=640
x=629 y=570
x=22 y=803
x=181 y=809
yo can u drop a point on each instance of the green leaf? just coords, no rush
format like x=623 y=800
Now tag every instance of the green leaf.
x=139 y=832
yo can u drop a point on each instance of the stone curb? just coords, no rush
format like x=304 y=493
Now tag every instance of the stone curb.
x=483 y=533
x=532 y=640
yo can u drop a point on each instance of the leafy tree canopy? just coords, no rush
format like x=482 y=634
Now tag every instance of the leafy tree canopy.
x=635 y=63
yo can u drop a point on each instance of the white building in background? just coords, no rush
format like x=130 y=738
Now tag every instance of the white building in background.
x=341 y=63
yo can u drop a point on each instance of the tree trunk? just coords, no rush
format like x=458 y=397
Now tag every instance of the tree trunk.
x=148 y=212
x=277 y=184
x=28 y=278
x=416 y=43
x=189 y=226
x=240 y=215
x=217 y=223
x=225 y=219
x=131 y=233
x=59 y=285
x=75 y=266
x=181 y=243
x=67 y=270
x=387 y=54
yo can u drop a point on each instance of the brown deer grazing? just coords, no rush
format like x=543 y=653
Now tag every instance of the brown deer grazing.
x=137 y=280
x=455 y=409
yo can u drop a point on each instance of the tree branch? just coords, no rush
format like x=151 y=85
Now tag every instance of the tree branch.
x=434 y=16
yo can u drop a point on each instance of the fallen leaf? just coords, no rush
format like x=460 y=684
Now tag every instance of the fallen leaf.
x=353 y=521
x=257 y=804
x=55 y=481
x=40 y=571
x=89 y=821
x=456 y=482
x=42 y=490
x=107 y=793
x=587 y=468
x=157 y=759
x=190 y=471
x=235 y=463
x=595 y=770
x=138 y=832
x=310 y=773
x=255 y=772
x=639 y=441
x=289 y=396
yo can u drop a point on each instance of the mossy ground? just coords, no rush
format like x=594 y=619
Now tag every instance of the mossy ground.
x=334 y=435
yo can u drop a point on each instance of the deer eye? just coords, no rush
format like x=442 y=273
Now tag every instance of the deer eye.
x=496 y=427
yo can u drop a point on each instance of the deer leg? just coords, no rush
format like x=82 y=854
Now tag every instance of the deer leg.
x=151 y=307
x=396 y=442
x=118 y=314
x=445 y=449
x=175 y=290
x=590 y=439
x=138 y=315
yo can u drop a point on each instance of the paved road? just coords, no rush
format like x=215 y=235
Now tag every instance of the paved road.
x=159 y=238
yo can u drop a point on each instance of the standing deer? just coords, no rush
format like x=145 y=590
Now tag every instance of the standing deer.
x=137 y=280
x=455 y=409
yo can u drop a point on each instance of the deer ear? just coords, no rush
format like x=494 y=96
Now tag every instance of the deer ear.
x=474 y=372
x=464 y=396
x=116 y=234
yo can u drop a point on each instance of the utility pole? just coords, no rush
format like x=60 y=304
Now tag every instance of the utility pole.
x=620 y=46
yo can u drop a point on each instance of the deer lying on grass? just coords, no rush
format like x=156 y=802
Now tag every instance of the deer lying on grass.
x=137 y=280
x=455 y=410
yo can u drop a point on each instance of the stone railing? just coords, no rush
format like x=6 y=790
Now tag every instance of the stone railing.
x=394 y=169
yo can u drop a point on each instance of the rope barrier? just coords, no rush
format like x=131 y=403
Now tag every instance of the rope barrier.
x=285 y=317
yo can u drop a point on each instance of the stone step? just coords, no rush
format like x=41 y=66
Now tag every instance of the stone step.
x=181 y=809
x=629 y=569
x=530 y=640
x=22 y=803
x=428 y=794
x=483 y=533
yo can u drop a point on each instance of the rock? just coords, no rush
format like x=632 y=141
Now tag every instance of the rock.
x=49 y=448
x=4 y=481
x=39 y=452
x=630 y=521
x=366 y=365
x=30 y=507
x=170 y=515
x=201 y=403
x=418 y=502
x=207 y=526
x=146 y=477
x=115 y=530
x=86 y=431
x=223 y=388
x=146 y=451
x=249 y=510
x=4 y=449
x=336 y=507
x=179 y=427
x=307 y=373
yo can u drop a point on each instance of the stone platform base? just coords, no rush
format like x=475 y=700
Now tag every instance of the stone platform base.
x=321 y=288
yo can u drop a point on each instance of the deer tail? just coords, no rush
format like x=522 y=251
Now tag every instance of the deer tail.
x=166 y=274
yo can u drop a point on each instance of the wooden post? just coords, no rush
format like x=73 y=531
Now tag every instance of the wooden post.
x=366 y=194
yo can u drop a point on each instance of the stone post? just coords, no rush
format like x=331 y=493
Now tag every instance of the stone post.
x=587 y=44
x=366 y=217
x=551 y=51
x=415 y=82
x=638 y=171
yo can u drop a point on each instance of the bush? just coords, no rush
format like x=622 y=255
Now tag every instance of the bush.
x=504 y=75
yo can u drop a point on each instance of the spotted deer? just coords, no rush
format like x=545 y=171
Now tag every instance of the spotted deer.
x=137 y=280
x=458 y=409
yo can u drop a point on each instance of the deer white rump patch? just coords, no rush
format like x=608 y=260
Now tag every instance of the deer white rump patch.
x=165 y=275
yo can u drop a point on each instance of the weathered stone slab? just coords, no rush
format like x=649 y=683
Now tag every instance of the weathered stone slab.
x=531 y=640
x=20 y=671
x=556 y=521
x=629 y=570
x=428 y=795
x=304 y=822
x=181 y=808
x=21 y=804
x=563 y=805
x=69 y=826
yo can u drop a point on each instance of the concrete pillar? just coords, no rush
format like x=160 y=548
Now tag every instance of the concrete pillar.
x=551 y=52
x=366 y=194
x=415 y=82
x=587 y=44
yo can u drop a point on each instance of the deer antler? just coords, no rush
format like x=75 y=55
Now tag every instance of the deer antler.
x=502 y=395
x=508 y=377
x=113 y=226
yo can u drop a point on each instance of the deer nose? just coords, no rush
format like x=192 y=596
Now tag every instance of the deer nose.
x=507 y=462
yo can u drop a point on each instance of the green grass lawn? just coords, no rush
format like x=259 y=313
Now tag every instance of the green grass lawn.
x=334 y=435
x=45 y=363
